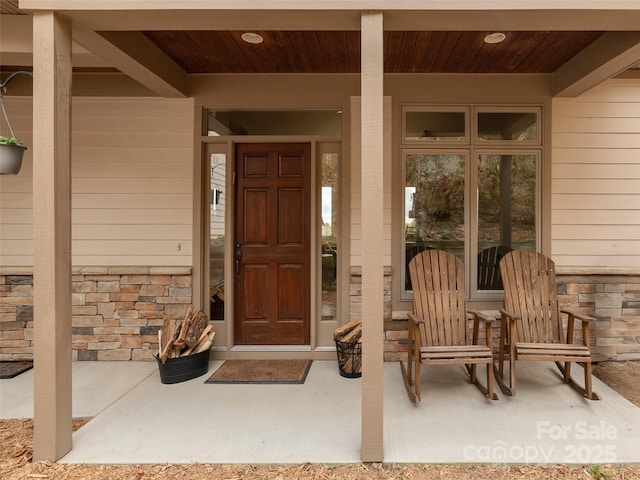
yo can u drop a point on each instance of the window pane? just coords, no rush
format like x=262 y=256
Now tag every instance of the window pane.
x=434 y=204
x=216 y=235
x=435 y=126
x=273 y=122
x=329 y=214
x=515 y=126
x=506 y=211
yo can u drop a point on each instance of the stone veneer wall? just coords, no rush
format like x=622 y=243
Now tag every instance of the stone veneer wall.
x=395 y=332
x=117 y=311
x=614 y=300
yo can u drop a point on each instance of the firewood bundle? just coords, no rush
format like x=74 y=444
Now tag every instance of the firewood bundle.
x=348 y=340
x=179 y=338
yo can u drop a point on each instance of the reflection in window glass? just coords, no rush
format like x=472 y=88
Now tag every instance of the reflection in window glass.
x=434 y=204
x=514 y=126
x=216 y=235
x=273 y=122
x=506 y=211
x=329 y=213
x=435 y=126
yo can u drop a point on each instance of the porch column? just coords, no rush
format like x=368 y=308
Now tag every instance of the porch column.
x=372 y=235
x=52 y=235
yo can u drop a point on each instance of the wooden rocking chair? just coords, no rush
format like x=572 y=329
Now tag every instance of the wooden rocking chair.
x=531 y=326
x=439 y=328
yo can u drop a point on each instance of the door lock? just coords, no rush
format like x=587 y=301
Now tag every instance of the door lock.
x=238 y=258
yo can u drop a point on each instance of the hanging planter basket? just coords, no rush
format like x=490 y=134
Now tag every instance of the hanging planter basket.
x=11 y=158
x=11 y=149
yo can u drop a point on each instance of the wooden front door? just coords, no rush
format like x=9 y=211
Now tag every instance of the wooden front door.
x=272 y=251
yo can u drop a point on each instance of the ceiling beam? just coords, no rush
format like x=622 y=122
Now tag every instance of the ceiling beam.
x=611 y=54
x=136 y=56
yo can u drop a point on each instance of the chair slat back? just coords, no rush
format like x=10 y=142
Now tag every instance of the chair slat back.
x=438 y=291
x=529 y=280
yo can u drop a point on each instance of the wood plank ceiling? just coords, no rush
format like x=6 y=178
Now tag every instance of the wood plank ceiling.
x=339 y=52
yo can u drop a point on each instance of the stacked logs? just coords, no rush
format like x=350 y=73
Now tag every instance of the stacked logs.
x=348 y=340
x=179 y=338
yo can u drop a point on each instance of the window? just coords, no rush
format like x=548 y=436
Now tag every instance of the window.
x=217 y=203
x=329 y=231
x=506 y=211
x=273 y=122
x=507 y=126
x=434 y=203
x=435 y=124
x=478 y=200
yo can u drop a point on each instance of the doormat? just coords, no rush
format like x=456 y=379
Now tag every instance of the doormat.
x=261 y=371
x=13 y=368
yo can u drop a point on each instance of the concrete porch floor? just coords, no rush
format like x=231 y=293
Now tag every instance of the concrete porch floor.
x=137 y=419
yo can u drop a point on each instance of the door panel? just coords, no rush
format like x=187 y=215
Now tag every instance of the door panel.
x=255 y=225
x=272 y=241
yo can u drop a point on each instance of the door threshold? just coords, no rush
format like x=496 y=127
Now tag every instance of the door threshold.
x=271 y=348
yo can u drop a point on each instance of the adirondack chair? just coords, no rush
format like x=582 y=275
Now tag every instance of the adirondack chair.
x=439 y=331
x=531 y=323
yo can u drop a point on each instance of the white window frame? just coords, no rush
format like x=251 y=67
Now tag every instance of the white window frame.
x=471 y=148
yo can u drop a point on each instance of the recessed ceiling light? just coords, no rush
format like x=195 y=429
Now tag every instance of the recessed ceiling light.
x=496 y=37
x=251 y=37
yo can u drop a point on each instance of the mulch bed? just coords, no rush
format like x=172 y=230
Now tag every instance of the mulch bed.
x=16 y=437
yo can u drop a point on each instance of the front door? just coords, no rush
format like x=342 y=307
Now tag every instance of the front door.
x=272 y=251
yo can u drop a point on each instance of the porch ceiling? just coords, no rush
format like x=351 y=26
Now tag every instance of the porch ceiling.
x=339 y=51
x=159 y=45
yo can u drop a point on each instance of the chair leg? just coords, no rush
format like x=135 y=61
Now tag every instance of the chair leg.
x=509 y=333
x=487 y=390
x=587 y=382
x=408 y=383
x=507 y=389
x=492 y=394
x=417 y=378
x=585 y=391
x=407 y=374
x=567 y=372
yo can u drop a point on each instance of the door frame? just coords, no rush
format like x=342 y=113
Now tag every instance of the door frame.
x=320 y=348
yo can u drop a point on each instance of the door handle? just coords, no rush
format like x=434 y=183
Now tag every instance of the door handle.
x=238 y=258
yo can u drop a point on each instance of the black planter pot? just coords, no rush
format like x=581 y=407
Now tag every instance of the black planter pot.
x=180 y=369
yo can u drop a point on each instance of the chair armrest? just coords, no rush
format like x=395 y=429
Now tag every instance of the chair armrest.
x=579 y=316
x=416 y=319
x=488 y=322
x=482 y=316
x=509 y=315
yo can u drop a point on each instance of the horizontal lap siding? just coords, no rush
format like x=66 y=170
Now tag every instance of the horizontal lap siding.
x=131 y=188
x=595 y=204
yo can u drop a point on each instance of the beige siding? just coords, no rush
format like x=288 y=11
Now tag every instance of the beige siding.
x=596 y=177
x=132 y=181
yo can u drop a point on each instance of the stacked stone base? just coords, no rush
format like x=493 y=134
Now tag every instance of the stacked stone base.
x=117 y=311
